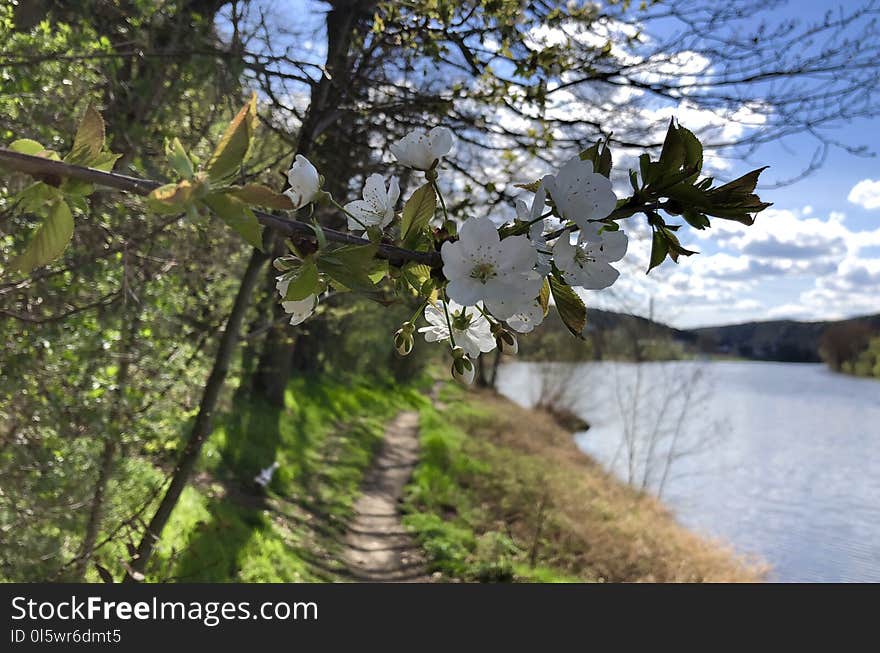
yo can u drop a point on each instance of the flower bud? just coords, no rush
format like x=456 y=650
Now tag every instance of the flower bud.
x=403 y=342
x=463 y=369
x=506 y=342
x=504 y=339
x=407 y=327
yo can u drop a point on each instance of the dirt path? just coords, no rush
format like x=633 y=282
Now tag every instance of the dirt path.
x=377 y=547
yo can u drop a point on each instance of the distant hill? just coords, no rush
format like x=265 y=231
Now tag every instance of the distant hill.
x=613 y=335
x=776 y=340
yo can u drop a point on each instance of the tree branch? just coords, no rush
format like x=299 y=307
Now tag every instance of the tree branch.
x=51 y=171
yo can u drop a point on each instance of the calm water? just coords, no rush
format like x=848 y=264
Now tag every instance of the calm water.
x=780 y=460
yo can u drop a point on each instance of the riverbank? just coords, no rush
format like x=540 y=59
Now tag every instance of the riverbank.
x=502 y=493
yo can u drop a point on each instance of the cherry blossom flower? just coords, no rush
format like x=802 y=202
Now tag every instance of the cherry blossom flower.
x=527 y=319
x=377 y=207
x=481 y=266
x=470 y=328
x=420 y=150
x=536 y=230
x=304 y=182
x=299 y=310
x=588 y=263
x=581 y=195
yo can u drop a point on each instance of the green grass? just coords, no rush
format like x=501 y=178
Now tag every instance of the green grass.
x=502 y=493
x=224 y=530
x=447 y=515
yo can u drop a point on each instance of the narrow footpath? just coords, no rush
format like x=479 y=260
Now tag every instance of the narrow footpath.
x=377 y=546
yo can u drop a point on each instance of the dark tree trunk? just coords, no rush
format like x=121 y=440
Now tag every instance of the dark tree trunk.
x=493 y=380
x=278 y=359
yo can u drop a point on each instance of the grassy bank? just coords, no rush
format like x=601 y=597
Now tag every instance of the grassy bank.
x=226 y=530
x=502 y=493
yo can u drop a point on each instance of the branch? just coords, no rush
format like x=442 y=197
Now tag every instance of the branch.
x=51 y=171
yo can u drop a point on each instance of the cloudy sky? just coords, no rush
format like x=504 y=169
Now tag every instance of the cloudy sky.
x=815 y=254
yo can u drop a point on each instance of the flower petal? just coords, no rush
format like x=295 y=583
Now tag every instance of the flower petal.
x=466 y=291
x=439 y=141
x=613 y=245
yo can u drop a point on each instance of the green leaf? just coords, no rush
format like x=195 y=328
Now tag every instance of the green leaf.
x=695 y=219
x=320 y=236
x=89 y=139
x=570 y=306
x=178 y=159
x=105 y=161
x=544 y=297
x=34 y=197
x=171 y=198
x=693 y=157
x=646 y=168
x=49 y=241
x=416 y=274
x=304 y=281
x=418 y=211
x=233 y=147
x=659 y=249
x=260 y=195
x=673 y=153
x=237 y=215
x=600 y=156
x=26 y=146
x=354 y=267
x=674 y=246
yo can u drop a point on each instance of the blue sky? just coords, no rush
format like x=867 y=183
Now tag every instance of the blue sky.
x=814 y=255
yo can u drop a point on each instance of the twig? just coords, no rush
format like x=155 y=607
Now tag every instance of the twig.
x=47 y=169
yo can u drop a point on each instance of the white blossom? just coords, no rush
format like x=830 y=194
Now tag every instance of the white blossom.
x=304 y=182
x=470 y=328
x=527 y=319
x=581 y=195
x=377 y=207
x=588 y=263
x=299 y=310
x=536 y=230
x=419 y=150
x=481 y=266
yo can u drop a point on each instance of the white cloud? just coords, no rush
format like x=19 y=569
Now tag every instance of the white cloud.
x=866 y=194
x=786 y=265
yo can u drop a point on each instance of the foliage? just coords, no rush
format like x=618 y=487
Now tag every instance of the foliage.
x=867 y=362
x=847 y=346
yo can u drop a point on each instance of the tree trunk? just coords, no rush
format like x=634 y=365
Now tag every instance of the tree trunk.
x=277 y=359
x=495 y=363
x=202 y=427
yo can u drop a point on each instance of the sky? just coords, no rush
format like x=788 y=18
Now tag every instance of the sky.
x=814 y=255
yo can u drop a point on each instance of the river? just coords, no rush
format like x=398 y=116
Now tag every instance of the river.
x=780 y=460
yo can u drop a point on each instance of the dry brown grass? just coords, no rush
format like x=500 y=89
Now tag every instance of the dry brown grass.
x=591 y=525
